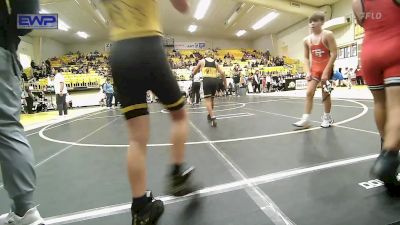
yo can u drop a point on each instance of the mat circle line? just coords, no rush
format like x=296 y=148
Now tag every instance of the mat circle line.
x=365 y=110
x=242 y=105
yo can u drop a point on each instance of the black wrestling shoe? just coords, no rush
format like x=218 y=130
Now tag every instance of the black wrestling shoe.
x=150 y=214
x=181 y=184
x=385 y=168
x=214 y=122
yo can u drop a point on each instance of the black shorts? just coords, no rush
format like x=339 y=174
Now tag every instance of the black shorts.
x=139 y=65
x=210 y=86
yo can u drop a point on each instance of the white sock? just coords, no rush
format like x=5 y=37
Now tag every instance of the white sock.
x=327 y=114
x=306 y=116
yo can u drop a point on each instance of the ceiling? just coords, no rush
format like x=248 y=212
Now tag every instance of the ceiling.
x=80 y=15
x=317 y=3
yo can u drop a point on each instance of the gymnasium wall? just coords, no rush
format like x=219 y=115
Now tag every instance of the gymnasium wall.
x=41 y=48
x=345 y=35
x=292 y=38
x=51 y=48
x=266 y=42
x=26 y=51
x=87 y=46
x=216 y=42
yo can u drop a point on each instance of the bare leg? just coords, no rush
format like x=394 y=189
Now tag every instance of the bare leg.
x=210 y=106
x=327 y=101
x=179 y=134
x=388 y=122
x=380 y=110
x=392 y=126
x=311 y=87
x=138 y=138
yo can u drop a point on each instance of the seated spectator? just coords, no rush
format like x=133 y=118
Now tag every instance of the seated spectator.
x=24 y=77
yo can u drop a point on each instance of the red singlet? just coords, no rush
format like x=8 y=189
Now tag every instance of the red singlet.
x=380 y=59
x=320 y=56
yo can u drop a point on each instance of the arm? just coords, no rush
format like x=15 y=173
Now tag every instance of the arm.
x=181 y=5
x=333 y=52
x=197 y=68
x=307 y=59
x=358 y=11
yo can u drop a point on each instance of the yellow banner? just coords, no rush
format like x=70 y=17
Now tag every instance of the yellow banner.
x=358 y=32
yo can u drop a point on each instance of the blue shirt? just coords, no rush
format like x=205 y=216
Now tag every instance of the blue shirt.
x=337 y=75
x=108 y=88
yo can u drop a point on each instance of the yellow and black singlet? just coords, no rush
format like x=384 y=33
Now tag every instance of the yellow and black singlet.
x=133 y=18
x=209 y=69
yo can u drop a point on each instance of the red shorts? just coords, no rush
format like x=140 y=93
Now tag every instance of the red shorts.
x=317 y=69
x=380 y=61
x=316 y=75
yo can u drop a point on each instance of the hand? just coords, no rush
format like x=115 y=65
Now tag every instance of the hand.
x=325 y=76
x=308 y=77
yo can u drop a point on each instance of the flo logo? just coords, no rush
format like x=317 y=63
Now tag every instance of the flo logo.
x=372 y=15
x=318 y=52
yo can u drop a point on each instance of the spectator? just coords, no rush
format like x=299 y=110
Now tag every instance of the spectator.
x=24 y=77
x=263 y=83
x=230 y=89
x=29 y=98
x=109 y=91
x=351 y=77
x=346 y=76
x=359 y=77
x=338 y=77
x=47 y=67
x=256 y=82
x=268 y=81
x=60 y=90
x=236 y=80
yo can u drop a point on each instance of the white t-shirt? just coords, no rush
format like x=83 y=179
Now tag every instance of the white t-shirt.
x=197 y=77
x=346 y=74
x=352 y=75
x=58 y=79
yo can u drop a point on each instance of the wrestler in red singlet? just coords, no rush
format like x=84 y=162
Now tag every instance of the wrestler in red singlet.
x=380 y=63
x=320 y=52
x=381 y=47
x=320 y=56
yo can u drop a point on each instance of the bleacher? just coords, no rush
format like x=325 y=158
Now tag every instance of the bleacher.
x=291 y=66
x=94 y=80
x=72 y=81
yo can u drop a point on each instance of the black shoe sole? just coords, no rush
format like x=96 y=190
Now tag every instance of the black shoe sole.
x=156 y=215
x=384 y=172
x=183 y=186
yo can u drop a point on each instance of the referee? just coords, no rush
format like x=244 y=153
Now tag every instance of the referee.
x=196 y=89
